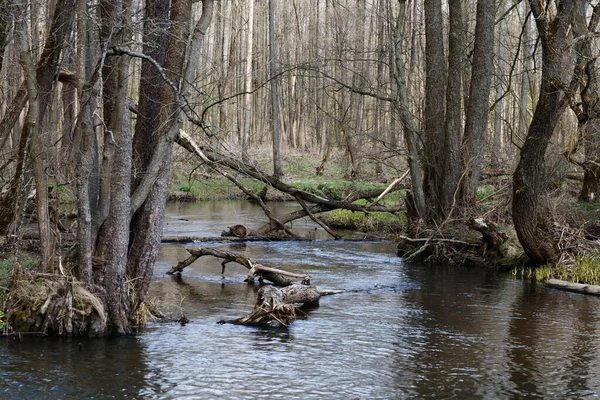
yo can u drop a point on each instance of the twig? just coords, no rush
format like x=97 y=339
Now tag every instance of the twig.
x=389 y=188
x=311 y=215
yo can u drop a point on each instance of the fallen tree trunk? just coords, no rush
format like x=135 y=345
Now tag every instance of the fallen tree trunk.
x=319 y=204
x=573 y=287
x=274 y=306
x=275 y=275
x=277 y=307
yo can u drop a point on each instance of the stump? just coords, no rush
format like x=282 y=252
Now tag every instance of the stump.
x=276 y=307
x=239 y=231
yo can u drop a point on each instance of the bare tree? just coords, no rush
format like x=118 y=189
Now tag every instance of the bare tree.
x=274 y=64
x=248 y=82
x=479 y=92
x=530 y=202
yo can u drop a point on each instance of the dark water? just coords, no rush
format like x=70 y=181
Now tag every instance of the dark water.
x=410 y=331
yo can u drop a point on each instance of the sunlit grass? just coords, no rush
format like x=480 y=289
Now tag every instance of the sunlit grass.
x=586 y=270
x=368 y=222
x=213 y=189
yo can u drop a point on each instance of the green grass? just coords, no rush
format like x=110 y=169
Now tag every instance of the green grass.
x=221 y=188
x=590 y=210
x=586 y=270
x=6 y=271
x=213 y=189
x=382 y=222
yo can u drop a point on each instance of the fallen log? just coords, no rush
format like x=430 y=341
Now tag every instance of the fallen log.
x=574 y=287
x=227 y=239
x=275 y=275
x=278 y=307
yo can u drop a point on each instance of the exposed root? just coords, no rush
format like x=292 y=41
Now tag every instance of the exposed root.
x=54 y=305
x=495 y=248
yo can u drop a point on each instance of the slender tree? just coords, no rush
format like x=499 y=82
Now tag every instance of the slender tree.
x=479 y=92
x=274 y=64
x=248 y=82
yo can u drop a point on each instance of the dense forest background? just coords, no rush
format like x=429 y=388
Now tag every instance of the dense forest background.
x=96 y=93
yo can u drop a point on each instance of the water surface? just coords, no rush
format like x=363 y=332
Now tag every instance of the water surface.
x=407 y=331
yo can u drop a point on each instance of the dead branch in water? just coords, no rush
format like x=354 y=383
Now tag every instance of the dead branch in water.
x=275 y=275
x=274 y=306
x=277 y=306
x=319 y=204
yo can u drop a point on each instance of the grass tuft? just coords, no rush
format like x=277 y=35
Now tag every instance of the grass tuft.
x=586 y=270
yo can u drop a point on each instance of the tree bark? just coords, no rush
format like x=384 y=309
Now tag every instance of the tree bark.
x=248 y=83
x=531 y=215
x=40 y=86
x=435 y=107
x=274 y=66
x=146 y=224
x=479 y=93
x=411 y=132
x=113 y=237
x=454 y=122
x=275 y=275
x=589 y=89
x=275 y=307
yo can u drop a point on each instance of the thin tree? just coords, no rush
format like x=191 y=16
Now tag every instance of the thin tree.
x=248 y=83
x=274 y=64
x=479 y=93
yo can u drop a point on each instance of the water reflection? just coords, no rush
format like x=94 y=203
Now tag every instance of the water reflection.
x=45 y=368
x=210 y=218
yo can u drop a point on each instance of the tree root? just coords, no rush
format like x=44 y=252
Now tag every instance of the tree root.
x=54 y=305
x=489 y=251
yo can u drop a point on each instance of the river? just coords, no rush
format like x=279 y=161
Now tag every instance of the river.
x=407 y=331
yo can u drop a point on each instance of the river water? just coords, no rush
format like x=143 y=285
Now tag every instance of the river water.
x=406 y=331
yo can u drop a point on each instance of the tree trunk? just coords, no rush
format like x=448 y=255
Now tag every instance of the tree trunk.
x=40 y=85
x=435 y=107
x=274 y=64
x=113 y=236
x=589 y=122
x=275 y=307
x=531 y=215
x=248 y=83
x=411 y=133
x=454 y=122
x=86 y=148
x=479 y=93
x=146 y=224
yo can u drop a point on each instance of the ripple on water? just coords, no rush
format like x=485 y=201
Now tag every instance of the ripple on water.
x=423 y=332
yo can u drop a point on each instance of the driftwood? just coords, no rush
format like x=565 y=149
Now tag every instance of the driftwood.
x=274 y=306
x=421 y=249
x=275 y=275
x=573 y=287
x=277 y=307
x=457 y=251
